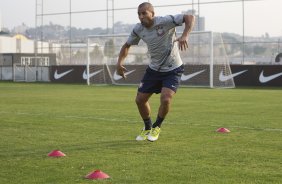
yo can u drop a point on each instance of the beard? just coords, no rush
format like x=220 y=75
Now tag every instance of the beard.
x=146 y=23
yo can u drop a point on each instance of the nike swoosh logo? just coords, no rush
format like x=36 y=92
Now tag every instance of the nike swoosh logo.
x=118 y=77
x=58 y=76
x=223 y=77
x=91 y=74
x=264 y=79
x=187 y=77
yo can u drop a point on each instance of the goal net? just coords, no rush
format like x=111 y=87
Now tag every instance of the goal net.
x=206 y=63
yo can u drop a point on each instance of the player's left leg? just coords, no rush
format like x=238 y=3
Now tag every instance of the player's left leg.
x=165 y=100
x=170 y=83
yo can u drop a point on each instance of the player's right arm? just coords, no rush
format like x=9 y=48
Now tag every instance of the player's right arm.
x=133 y=39
x=122 y=55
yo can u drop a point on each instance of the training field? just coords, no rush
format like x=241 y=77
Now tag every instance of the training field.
x=95 y=126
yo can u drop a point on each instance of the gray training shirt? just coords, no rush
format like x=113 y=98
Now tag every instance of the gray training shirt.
x=160 y=39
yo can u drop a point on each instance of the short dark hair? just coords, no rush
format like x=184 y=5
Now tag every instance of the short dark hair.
x=149 y=6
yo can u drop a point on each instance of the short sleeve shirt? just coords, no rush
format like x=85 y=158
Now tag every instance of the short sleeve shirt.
x=160 y=39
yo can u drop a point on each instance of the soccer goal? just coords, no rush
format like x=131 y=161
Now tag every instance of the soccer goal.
x=206 y=63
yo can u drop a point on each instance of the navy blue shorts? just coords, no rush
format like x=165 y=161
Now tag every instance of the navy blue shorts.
x=153 y=81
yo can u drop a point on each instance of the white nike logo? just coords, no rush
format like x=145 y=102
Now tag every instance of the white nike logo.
x=91 y=74
x=264 y=79
x=58 y=76
x=187 y=77
x=118 y=77
x=223 y=77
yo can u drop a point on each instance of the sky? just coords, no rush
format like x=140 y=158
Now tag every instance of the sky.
x=262 y=16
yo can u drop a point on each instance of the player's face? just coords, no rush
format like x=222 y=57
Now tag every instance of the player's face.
x=146 y=17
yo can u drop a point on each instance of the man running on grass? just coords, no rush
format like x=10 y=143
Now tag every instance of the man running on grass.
x=165 y=68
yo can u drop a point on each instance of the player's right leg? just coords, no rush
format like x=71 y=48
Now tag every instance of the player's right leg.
x=143 y=135
x=145 y=112
x=142 y=102
x=149 y=85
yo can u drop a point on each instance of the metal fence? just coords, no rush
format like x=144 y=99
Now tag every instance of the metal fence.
x=249 y=36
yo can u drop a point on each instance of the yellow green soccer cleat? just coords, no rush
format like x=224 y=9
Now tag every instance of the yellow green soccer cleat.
x=143 y=135
x=154 y=134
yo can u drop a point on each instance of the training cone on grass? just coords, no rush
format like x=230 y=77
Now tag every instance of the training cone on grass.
x=97 y=175
x=56 y=153
x=223 y=130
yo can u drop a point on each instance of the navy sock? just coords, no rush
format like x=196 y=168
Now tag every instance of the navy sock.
x=158 y=122
x=148 y=123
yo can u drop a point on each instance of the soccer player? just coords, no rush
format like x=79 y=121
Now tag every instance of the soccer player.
x=165 y=69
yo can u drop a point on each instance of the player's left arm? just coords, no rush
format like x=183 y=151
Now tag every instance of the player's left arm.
x=189 y=21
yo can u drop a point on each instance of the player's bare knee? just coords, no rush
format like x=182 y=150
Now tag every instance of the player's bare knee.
x=166 y=99
x=139 y=100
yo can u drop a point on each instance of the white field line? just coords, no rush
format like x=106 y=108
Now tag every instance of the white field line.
x=134 y=121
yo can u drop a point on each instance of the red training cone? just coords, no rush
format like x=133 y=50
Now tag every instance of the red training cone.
x=223 y=130
x=97 y=175
x=56 y=153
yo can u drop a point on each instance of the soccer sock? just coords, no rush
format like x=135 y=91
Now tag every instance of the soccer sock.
x=148 y=123
x=158 y=122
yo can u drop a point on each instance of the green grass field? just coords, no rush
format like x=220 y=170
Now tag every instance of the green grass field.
x=96 y=128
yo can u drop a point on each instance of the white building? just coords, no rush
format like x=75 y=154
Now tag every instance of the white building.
x=21 y=44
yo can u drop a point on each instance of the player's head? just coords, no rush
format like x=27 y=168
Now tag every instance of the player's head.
x=146 y=14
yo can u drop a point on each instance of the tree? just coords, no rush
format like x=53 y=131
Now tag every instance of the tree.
x=96 y=55
x=259 y=50
x=139 y=58
x=109 y=49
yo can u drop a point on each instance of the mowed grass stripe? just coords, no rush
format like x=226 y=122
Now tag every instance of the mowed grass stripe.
x=120 y=120
x=96 y=128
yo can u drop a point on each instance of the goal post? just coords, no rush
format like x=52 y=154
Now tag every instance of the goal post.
x=211 y=60
x=204 y=61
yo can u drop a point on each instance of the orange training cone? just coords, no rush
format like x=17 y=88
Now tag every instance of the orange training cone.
x=97 y=175
x=223 y=130
x=56 y=153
